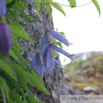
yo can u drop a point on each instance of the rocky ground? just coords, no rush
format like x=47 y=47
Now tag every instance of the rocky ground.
x=87 y=73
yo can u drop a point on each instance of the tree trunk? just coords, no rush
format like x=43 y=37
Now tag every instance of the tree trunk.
x=54 y=81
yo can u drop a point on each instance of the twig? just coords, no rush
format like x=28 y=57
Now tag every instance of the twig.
x=33 y=34
x=3 y=95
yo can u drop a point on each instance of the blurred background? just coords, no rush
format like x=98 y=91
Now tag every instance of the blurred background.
x=83 y=27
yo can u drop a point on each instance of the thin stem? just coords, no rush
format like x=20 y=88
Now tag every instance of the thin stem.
x=3 y=95
x=61 y=4
x=33 y=34
x=2 y=19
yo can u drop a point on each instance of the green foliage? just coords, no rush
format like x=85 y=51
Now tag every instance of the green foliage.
x=72 y=3
x=97 y=6
x=14 y=72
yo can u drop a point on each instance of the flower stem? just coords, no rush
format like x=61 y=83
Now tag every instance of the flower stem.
x=3 y=95
x=33 y=34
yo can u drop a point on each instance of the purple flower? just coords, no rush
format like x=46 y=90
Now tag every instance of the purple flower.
x=36 y=64
x=5 y=39
x=46 y=49
x=28 y=56
x=2 y=7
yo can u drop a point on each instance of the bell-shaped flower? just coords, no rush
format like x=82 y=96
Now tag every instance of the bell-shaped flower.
x=36 y=64
x=2 y=7
x=49 y=62
x=5 y=39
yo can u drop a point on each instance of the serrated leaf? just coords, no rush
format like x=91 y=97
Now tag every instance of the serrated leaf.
x=72 y=3
x=21 y=75
x=58 y=7
x=50 y=11
x=33 y=100
x=22 y=5
x=17 y=56
x=18 y=8
x=43 y=6
x=30 y=19
x=97 y=6
x=4 y=87
x=8 y=1
x=38 y=5
x=49 y=1
x=13 y=14
x=47 y=7
x=17 y=30
x=6 y=68
x=36 y=81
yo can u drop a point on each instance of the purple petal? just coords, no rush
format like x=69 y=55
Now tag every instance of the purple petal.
x=5 y=39
x=37 y=64
x=57 y=62
x=2 y=7
x=43 y=49
x=43 y=39
x=58 y=36
x=50 y=62
x=62 y=51
x=45 y=66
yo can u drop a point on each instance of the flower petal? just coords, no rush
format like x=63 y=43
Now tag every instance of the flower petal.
x=57 y=62
x=45 y=66
x=58 y=36
x=37 y=64
x=43 y=49
x=43 y=39
x=50 y=62
x=2 y=7
x=5 y=39
x=62 y=51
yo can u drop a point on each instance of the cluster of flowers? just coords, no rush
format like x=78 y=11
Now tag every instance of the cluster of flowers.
x=5 y=33
x=45 y=59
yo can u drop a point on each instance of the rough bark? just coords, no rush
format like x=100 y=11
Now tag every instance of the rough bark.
x=54 y=81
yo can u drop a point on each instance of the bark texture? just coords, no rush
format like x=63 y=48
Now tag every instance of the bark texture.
x=54 y=81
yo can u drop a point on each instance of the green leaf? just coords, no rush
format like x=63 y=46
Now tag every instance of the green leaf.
x=17 y=56
x=6 y=68
x=72 y=3
x=47 y=7
x=49 y=1
x=33 y=100
x=8 y=1
x=21 y=4
x=38 y=5
x=43 y=6
x=36 y=81
x=58 y=7
x=97 y=6
x=50 y=11
x=21 y=75
x=30 y=19
x=4 y=86
x=17 y=30
x=13 y=14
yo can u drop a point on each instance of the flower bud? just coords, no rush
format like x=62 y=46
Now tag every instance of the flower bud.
x=5 y=39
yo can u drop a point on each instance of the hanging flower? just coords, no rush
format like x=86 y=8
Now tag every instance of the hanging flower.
x=5 y=39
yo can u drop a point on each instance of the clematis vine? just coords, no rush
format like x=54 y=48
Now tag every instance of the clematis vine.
x=49 y=51
x=45 y=60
